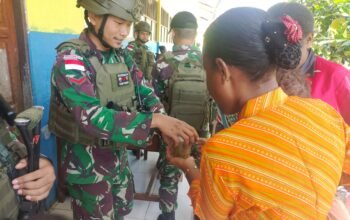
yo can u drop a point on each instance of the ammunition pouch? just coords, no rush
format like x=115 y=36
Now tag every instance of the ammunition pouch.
x=63 y=125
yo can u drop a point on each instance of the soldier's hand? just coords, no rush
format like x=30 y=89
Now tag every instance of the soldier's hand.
x=200 y=143
x=173 y=128
x=36 y=185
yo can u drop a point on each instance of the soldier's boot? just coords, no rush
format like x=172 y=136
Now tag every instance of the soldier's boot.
x=167 y=216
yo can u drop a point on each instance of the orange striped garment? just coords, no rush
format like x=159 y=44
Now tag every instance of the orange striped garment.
x=282 y=159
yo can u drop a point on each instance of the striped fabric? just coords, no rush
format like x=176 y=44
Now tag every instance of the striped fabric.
x=282 y=160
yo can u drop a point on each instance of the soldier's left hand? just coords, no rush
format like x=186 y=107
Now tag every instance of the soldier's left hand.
x=36 y=185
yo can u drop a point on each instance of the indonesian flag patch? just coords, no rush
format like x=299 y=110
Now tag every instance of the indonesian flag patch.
x=73 y=63
x=130 y=47
x=123 y=79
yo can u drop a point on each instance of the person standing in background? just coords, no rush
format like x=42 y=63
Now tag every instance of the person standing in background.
x=179 y=80
x=329 y=81
x=33 y=186
x=139 y=51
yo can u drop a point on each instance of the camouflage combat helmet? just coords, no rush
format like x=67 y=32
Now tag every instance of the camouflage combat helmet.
x=142 y=26
x=184 y=19
x=129 y=10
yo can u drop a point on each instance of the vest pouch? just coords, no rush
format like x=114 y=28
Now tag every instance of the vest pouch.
x=189 y=103
x=9 y=202
x=192 y=114
x=184 y=92
x=114 y=84
x=187 y=94
x=64 y=126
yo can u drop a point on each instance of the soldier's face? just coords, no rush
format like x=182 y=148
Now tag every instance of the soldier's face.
x=143 y=36
x=115 y=31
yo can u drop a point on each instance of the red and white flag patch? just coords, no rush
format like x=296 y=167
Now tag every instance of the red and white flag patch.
x=123 y=79
x=130 y=47
x=71 y=64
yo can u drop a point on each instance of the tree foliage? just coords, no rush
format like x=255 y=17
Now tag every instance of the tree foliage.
x=332 y=28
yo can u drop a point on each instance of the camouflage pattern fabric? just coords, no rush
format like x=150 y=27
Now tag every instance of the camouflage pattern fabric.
x=169 y=174
x=9 y=201
x=112 y=196
x=144 y=58
x=74 y=78
x=163 y=70
x=169 y=179
x=223 y=121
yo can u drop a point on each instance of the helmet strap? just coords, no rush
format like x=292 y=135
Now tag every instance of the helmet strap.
x=99 y=35
x=101 y=30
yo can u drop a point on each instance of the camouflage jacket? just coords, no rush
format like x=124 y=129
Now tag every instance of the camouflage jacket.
x=11 y=151
x=76 y=86
x=142 y=56
x=163 y=70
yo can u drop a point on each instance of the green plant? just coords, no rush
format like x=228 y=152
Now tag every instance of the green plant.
x=332 y=28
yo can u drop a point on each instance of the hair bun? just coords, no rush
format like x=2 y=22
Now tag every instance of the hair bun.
x=282 y=53
x=290 y=56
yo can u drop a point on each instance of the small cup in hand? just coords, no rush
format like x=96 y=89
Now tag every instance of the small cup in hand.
x=181 y=150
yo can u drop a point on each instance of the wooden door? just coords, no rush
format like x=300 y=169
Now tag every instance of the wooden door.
x=10 y=80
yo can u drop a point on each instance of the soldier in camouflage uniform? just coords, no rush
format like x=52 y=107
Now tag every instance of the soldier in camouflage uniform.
x=183 y=26
x=139 y=50
x=99 y=105
x=34 y=186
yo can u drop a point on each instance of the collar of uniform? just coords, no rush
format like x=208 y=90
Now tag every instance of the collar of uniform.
x=184 y=48
x=264 y=102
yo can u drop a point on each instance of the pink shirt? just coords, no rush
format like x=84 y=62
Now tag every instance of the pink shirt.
x=331 y=84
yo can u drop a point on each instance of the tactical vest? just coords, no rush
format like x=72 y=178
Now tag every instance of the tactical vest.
x=61 y=120
x=144 y=59
x=10 y=153
x=187 y=95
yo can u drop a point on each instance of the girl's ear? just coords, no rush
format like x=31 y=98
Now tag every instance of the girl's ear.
x=309 y=40
x=223 y=68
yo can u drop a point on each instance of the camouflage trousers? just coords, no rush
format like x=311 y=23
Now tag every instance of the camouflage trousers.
x=169 y=179
x=103 y=192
